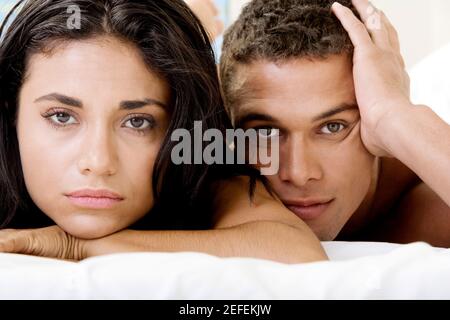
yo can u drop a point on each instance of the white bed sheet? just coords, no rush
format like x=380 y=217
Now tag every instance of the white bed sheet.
x=357 y=271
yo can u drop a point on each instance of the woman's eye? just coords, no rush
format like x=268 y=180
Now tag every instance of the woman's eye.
x=62 y=118
x=332 y=128
x=139 y=123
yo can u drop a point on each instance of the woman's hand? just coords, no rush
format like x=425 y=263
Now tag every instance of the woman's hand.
x=208 y=14
x=381 y=82
x=51 y=242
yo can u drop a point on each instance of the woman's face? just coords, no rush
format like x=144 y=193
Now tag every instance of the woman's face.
x=91 y=120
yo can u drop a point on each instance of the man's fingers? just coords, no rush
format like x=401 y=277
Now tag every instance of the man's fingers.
x=394 y=42
x=392 y=32
x=356 y=29
x=374 y=22
x=364 y=8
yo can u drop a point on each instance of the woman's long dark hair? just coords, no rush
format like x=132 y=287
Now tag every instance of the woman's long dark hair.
x=172 y=43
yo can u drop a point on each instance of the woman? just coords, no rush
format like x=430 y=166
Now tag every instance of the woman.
x=91 y=92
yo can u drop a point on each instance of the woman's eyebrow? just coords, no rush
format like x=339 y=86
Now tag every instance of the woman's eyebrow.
x=136 y=104
x=61 y=99
x=124 y=105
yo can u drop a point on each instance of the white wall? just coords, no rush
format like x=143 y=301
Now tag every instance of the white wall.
x=235 y=7
x=423 y=25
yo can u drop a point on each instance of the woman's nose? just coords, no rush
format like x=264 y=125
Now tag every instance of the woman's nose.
x=98 y=154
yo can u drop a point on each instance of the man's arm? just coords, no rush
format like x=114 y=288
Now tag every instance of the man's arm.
x=421 y=140
x=390 y=124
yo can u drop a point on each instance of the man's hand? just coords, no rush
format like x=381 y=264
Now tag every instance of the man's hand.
x=208 y=14
x=51 y=242
x=381 y=81
x=390 y=124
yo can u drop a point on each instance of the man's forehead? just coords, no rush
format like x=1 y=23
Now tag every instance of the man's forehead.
x=289 y=107
x=290 y=77
x=301 y=81
x=256 y=75
x=247 y=82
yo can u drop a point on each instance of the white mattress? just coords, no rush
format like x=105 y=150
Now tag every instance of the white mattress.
x=357 y=271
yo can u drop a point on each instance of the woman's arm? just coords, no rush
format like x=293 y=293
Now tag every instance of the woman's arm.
x=263 y=229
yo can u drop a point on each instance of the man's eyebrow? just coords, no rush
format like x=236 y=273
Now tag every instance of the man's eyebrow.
x=336 y=110
x=253 y=116
x=124 y=105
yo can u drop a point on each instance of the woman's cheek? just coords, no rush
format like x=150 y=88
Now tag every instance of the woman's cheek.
x=140 y=167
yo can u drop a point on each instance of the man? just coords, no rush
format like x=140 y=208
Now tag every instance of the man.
x=357 y=160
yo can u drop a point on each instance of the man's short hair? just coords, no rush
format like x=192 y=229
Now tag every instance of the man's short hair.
x=277 y=30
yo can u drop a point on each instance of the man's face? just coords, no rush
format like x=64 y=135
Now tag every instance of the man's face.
x=325 y=170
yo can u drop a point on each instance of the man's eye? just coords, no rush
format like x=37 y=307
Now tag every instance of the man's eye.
x=332 y=128
x=267 y=132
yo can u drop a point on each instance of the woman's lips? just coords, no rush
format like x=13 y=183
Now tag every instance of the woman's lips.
x=310 y=211
x=94 y=199
x=94 y=203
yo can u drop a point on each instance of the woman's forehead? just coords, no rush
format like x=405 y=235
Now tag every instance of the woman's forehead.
x=96 y=68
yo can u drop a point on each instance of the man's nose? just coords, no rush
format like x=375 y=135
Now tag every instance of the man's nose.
x=98 y=154
x=298 y=163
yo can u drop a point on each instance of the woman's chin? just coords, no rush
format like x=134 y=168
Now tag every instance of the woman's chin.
x=88 y=230
x=89 y=235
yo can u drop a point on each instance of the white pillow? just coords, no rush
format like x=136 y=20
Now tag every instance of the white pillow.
x=365 y=271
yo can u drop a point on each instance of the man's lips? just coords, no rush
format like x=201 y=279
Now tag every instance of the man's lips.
x=308 y=209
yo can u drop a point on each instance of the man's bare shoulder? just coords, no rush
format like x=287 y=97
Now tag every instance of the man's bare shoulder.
x=404 y=209
x=394 y=180
x=421 y=215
